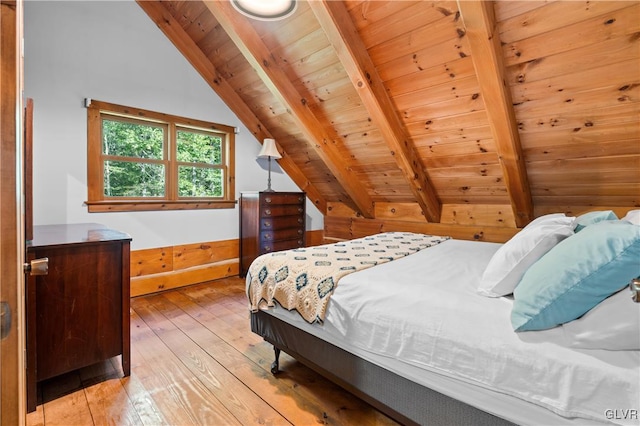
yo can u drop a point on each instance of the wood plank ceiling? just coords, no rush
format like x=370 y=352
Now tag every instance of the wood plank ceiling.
x=433 y=107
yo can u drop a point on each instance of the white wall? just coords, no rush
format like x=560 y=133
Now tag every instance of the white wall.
x=111 y=51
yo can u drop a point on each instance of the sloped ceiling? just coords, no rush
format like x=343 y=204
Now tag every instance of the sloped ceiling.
x=529 y=106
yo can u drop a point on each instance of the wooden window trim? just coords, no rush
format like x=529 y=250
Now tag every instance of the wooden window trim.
x=97 y=202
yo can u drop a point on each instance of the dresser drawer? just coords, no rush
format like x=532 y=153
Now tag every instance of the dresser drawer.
x=270 y=246
x=281 y=210
x=274 y=199
x=281 y=222
x=285 y=234
x=270 y=221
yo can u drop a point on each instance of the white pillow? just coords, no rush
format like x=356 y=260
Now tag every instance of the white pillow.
x=613 y=324
x=633 y=216
x=551 y=217
x=511 y=261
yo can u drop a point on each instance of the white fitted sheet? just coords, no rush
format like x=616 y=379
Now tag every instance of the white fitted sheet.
x=420 y=316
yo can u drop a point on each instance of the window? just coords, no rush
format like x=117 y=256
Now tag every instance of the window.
x=143 y=160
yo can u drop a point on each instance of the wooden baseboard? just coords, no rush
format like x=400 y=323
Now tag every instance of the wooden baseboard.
x=174 y=279
x=164 y=268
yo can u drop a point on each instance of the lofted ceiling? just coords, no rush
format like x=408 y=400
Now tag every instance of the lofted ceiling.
x=528 y=106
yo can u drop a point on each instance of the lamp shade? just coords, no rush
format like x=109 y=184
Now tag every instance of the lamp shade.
x=269 y=149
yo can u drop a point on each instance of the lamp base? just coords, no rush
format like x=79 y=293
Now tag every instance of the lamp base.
x=268 y=190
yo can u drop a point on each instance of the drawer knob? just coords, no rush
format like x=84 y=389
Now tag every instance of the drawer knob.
x=267 y=212
x=299 y=220
x=300 y=210
x=267 y=236
x=300 y=243
x=299 y=231
x=267 y=200
x=267 y=248
x=267 y=224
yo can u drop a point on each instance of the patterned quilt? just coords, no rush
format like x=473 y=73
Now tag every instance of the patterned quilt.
x=304 y=279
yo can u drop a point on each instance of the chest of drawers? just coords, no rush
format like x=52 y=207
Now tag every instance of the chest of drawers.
x=78 y=313
x=270 y=221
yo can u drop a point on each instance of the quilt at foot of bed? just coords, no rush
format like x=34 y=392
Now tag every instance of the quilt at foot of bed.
x=304 y=279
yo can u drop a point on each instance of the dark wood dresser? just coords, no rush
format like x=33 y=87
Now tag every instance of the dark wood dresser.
x=78 y=313
x=270 y=221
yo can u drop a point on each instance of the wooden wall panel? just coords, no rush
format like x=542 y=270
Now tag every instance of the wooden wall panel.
x=151 y=261
x=190 y=255
x=576 y=210
x=388 y=21
x=583 y=150
x=388 y=46
x=479 y=215
x=447 y=69
x=618 y=50
x=542 y=20
x=165 y=281
x=299 y=26
x=432 y=64
x=621 y=77
x=164 y=268
x=509 y=9
x=406 y=212
x=572 y=69
x=348 y=228
x=340 y=220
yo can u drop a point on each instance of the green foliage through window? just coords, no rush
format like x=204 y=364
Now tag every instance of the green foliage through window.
x=129 y=179
x=196 y=147
x=199 y=182
x=141 y=160
x=126 y=139
x=199 y=155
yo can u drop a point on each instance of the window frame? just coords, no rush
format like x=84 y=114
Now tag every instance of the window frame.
x=98 y=202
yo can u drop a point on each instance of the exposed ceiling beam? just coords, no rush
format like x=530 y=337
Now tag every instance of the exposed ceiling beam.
x=343 y=35
x=486 y=53
x=320 y=136
x=174 y=31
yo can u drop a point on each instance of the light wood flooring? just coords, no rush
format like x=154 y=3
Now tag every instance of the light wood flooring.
x=194 y=361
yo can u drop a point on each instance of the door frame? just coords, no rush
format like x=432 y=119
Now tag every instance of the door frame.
x=12 y=246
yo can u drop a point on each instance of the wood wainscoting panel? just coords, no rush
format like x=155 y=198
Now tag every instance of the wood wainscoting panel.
x=180 y=278
x=151 y=261
x=164 y=268
x=190 y=255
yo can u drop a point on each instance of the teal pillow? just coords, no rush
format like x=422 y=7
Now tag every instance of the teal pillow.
x=590 y=218
x=576 y=275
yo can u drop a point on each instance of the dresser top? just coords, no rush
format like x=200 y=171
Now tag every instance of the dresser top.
x=64 y=234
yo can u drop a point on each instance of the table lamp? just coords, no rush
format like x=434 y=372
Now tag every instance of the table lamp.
x=269 y=151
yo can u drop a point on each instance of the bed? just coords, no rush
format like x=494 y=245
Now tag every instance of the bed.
x=422 y=338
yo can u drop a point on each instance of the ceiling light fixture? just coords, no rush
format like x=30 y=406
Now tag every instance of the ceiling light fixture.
x=263 y=10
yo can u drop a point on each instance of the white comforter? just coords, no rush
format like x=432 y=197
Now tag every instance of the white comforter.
x=448 y=329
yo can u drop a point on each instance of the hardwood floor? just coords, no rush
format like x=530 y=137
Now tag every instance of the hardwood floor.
x=194 y=361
